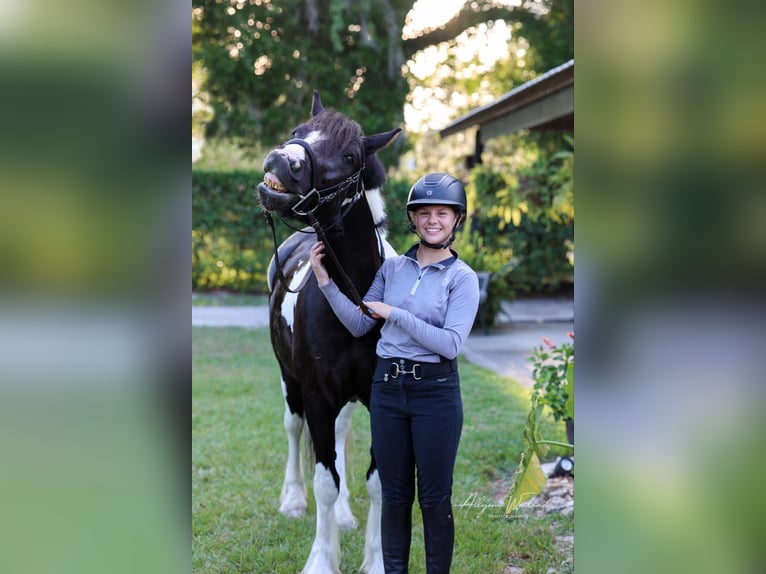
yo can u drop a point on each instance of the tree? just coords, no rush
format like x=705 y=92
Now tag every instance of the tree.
x=262 y=59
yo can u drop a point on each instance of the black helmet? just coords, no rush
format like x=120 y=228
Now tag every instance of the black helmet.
x=437 y=189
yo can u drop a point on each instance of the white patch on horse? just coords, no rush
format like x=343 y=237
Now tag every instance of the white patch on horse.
x=343 y=515
x=296 y=151
x=292 y=500
x=377 y=205
x=291 y=299
x=378 y=211
x=373 y=549
x=325 y=551
x=313 y=137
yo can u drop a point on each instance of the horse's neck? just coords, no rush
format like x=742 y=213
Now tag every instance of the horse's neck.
x=355 y=243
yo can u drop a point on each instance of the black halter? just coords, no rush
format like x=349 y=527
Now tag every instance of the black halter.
x=306 y=209
x=319 y=196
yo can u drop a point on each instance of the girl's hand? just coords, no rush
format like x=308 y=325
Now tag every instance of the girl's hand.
x=315 y=258
x=379 y=309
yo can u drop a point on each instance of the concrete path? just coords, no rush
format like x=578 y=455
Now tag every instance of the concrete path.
x=249 y=317
x=504 y=349
x=520 y=328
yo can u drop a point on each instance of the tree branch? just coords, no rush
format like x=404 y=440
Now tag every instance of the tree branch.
x=466 y=18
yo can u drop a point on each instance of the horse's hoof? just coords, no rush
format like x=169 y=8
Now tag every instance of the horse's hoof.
x=344 y=518
x=293 y=508
x=346 y=523
x=293 y=502
x=293 y=513
x=375 y=568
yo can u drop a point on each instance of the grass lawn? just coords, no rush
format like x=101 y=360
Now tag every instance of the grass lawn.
x=239 y=450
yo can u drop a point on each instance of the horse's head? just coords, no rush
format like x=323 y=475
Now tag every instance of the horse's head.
x=323 y=163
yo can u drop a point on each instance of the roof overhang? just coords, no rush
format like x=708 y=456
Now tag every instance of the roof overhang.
x=546 y=102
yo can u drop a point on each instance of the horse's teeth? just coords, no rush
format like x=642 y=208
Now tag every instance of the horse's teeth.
x=273 y=184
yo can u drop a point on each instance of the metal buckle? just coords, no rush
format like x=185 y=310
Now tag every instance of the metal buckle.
x=397 y=369
x=299 y=208
x=414 y=374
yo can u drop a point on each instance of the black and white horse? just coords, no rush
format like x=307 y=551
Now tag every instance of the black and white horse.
x=327 y=175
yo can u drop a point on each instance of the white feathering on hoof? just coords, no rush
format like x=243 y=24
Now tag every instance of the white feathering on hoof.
x=325 y=552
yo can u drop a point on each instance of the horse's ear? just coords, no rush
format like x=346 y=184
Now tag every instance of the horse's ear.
x=377 y=142
x=316 y=104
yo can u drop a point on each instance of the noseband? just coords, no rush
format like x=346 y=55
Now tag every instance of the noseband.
x=320 y=196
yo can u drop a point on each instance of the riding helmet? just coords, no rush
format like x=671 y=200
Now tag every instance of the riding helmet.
x=437 y=189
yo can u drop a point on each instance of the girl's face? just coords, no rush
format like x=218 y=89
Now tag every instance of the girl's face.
x=435 y=223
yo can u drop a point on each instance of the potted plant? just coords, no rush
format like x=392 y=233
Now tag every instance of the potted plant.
x=553 y=373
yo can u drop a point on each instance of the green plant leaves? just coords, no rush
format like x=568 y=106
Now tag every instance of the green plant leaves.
x=550 y=372
x=528 y=482
x=529 y=479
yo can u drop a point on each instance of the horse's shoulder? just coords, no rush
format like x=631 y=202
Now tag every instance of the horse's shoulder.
x=292 y=250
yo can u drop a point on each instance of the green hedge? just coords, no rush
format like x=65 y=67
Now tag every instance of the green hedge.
x=231 y=243
x=232 y=246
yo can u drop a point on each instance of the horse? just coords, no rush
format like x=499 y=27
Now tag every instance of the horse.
x=329 y=177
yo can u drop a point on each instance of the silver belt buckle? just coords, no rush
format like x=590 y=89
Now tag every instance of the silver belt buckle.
x=400 y=369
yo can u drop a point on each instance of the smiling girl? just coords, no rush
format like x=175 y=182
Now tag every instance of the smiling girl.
x=428 y=299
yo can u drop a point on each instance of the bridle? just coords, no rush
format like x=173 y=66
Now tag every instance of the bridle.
x=305 y=208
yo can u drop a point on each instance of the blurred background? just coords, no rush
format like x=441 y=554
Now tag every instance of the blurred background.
x=482 y=90
x=96 y=204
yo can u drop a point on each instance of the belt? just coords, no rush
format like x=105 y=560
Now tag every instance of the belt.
x=396 y=367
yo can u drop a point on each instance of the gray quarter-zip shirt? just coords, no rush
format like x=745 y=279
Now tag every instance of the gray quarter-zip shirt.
x=434 y=307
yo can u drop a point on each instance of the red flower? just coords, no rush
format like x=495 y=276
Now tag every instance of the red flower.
x=548 y=342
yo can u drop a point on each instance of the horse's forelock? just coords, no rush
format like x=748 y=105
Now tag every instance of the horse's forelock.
x=337 y=129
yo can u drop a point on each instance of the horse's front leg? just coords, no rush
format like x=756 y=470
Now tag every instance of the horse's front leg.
x=325 y=551
x=343 y=515
x=292 y=500
x=373 y=548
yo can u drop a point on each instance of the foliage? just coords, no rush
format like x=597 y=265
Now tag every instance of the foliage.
x=553 y=372
x=542 y=190
x=550 y=35
x=259 y=61
x=529 y=479
x=263 y=59
x=528 y=214
x=229 y=154
x=474 y=251
x=550 y=367
x=543 y=248
x=231 y=244
x=239 y=451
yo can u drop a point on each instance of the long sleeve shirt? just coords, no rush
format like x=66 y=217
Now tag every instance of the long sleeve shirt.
x=433 y=308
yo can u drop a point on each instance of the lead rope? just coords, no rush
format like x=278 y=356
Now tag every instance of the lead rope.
x=355 y=297
x=280 y=274
x=354 y=294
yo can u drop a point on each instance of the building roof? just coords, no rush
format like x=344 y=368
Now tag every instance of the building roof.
x=546 y=102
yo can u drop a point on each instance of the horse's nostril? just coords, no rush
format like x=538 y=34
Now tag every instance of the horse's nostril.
x=270 y=160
